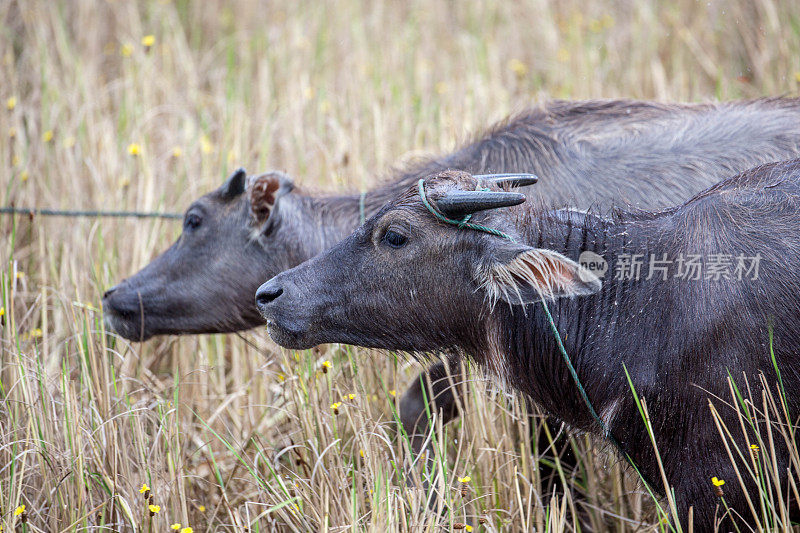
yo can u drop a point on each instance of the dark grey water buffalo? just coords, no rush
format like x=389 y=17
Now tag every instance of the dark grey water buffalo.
x=585 y=153
x=717 y=277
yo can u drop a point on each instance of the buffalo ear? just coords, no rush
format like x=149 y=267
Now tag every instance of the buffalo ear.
x=521 y=275
x=263 y=192
x=234 y=185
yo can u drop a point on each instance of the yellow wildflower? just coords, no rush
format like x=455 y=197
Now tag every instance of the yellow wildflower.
x=392 y=393
x=205 y=145
x=2 y=311
x=361 y=453
x=177 y=152
x=19 y=510
x=202 y=508
x=15 y=160
x=144 y=490
x=154 y=509
x=187 y=530
x=335 y=407
x=326 y=365
x=351 y=397
x=465 y=479
x=35 y=333
x=23 y=176
x=717 y=482
x=20 y=275
x=517 y=67
x=47 y=136
x=468 y=528
x=176 y=526
x=126 y=50
x=134 y=149
x=11 y=103
x=148 y=40
x=12 y=132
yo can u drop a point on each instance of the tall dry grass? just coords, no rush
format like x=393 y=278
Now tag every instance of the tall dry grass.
x=233 y=433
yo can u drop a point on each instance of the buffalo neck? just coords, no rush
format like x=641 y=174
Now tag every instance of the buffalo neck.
x=336 y=216
x=592 y=329
x=332 y=218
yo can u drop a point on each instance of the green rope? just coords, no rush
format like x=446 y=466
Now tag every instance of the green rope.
x=606 y=432
x=572 y=370
x=362 y=216
x=463 y=223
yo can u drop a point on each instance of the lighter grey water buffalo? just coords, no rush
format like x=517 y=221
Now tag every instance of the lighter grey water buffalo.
x=591 y=153
x=420 y=277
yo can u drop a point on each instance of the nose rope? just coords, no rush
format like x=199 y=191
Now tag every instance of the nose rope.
x=464 y=223
x=460 y=224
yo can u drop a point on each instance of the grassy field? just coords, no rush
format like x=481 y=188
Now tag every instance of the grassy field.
x=126 y=105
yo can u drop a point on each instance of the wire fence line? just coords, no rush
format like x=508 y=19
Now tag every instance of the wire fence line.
x=31 y=211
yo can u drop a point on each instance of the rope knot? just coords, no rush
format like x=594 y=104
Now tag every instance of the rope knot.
x=460 y=224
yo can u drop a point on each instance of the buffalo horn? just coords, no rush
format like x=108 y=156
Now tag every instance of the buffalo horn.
x=456 y=204
x=514 y=179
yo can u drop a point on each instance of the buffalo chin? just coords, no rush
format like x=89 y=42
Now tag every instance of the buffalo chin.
x=125 y=328
x=294 y=340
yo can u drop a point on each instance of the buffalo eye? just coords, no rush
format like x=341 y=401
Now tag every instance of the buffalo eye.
x=192 y=221
x=394 y=239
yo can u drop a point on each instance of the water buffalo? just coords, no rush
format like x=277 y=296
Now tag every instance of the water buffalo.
x=586 y=153
x=419 y=276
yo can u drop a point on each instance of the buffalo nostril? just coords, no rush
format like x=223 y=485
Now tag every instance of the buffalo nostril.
x=267 y=294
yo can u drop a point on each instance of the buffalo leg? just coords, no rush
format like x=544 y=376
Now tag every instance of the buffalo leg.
x=432 y=392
